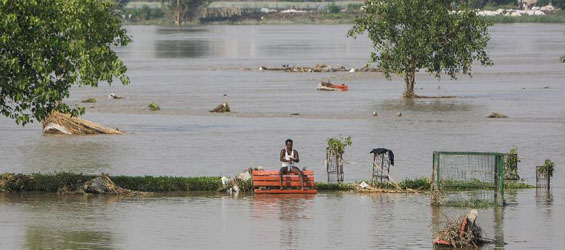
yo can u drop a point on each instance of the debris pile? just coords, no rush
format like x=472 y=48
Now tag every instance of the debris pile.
x=496 y=115
x=59 y=123
x=242 y=182
x=222 y=108
x=461 y=232
x=104 y=185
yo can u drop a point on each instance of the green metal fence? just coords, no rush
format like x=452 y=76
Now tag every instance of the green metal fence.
x=468 y=178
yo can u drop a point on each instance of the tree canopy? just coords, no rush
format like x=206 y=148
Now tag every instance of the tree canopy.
x=187 y=9
x=434 y=35
x=48 y=45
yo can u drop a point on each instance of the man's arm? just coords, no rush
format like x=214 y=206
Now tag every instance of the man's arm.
x=296 y=158
x=282 y=156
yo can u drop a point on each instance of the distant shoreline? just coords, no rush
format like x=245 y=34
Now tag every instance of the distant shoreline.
x=322 y=18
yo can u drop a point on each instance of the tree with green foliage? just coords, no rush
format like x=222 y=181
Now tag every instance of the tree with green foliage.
x=410 y=35
x=122 y=3
x=333 y=8
x=187 y=9
x=48 y=45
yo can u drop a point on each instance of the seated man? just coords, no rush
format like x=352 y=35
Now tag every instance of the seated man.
x=288 y=157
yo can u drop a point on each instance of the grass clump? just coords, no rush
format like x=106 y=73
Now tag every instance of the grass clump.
x=334 y=186
x=54 y=182
x=421 y=183
x=167 y=183
x=474 y=203
x=154 y=106
x=89 y=100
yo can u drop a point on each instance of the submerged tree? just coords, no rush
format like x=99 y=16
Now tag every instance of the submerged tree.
x=186 y=9
x=434 y=35
x=47 y=46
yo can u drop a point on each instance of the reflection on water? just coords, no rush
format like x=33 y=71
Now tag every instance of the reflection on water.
x=426 y=105
x=182 y=48
x=47 y=238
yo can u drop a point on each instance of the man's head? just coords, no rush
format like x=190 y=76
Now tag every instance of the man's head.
x=288 y=143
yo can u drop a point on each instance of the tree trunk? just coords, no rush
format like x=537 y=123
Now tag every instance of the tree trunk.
x=177 y=14
x=409 y=80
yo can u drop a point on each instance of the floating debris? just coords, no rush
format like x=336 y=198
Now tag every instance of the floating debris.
x=375 y=113
x=399 y=114
x=222 y=108
x=461 y=232
x=59 y=123
x=496 y=115
x=114 y=96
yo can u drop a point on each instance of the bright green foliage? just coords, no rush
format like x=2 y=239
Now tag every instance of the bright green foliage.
x=511 y=165
x=154 y=106
x=547 y=168
x=48 y=45
x=409 y=35
x=338 y=145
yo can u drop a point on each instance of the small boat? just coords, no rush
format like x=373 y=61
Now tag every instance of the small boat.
x=332 y=87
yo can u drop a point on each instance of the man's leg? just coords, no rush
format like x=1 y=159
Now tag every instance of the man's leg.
x=282 y=171
x=299 y=173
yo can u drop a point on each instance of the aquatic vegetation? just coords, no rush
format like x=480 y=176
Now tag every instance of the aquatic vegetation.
x=334 y=186
x=57 y=181
x=154 y=106
x=511 y=165
x=474 y=203
x=89 y=100
x=421 y=183
x=547 y=168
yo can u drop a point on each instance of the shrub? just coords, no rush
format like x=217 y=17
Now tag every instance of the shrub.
x=333 y=8
x=154 y=106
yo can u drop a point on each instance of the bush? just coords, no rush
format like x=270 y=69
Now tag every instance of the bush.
x=333 y=8
x=89 y=100
x=154 y=106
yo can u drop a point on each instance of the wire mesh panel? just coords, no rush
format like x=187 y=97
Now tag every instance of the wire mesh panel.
x=334 y=166
x=542 y=180
x=469 y=177
x=381 y=167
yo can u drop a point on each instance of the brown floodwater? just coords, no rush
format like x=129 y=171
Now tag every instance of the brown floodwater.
x=189 y=71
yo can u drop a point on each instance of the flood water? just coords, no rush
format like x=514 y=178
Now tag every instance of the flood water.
x=189 y=71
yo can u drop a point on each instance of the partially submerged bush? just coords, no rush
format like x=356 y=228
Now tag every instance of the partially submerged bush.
x=154 y=106
x=339 y=145
x=547 y=168
x=89 y=100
